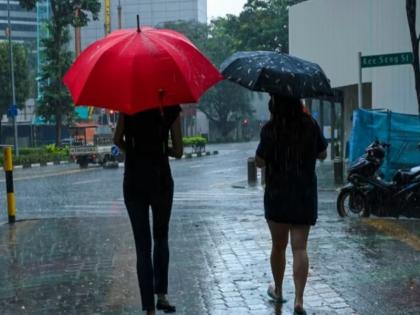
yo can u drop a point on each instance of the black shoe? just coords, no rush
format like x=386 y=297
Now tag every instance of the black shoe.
x=299 y=310
x=165 y=307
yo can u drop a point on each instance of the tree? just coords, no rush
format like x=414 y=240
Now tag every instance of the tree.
x=21 y=76
x=195 y=31
x=411 y=7
x=225 y=104
x=263 y=25
x=55 y=104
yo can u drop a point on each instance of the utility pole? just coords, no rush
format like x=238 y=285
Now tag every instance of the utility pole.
x=13 y=109
x=119 y=15
x=77 y=34
x=107 y=12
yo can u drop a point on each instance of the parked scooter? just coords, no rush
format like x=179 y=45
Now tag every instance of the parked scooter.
x=367 y=193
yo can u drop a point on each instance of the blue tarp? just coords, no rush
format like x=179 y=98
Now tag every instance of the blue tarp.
x=400 y=130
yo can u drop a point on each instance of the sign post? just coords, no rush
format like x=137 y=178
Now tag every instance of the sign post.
x=12 y=76
x=360 y=85
x=380 y=61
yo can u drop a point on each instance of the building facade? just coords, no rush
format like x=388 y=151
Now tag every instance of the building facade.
x=333 y=32
x=24 y=23
x=151 y=12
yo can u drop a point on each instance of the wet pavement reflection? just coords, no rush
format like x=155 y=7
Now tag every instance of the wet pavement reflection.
x=73 y=251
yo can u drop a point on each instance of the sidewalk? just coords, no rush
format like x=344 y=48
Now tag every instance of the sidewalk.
x=219 y=265
x=325 y=176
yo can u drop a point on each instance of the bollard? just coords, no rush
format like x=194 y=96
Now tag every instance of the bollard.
x=252 y=171
x=8 y=169
x=338 y=171
x=263 y=176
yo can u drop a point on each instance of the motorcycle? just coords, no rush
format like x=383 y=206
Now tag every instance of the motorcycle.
x=368 y=193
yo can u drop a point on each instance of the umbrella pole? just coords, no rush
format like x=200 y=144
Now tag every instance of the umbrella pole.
x=161 y=96
x=138 y=24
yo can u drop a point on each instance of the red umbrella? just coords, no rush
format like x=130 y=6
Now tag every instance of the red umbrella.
x=134 y=70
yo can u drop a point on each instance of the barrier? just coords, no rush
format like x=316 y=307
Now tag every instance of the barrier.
x=8 y=169
x=252 y=171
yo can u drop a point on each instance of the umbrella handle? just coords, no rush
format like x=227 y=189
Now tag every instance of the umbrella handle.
x=138 y=24
x=162 y=93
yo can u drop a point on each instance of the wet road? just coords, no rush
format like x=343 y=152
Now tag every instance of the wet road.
x=77 y=257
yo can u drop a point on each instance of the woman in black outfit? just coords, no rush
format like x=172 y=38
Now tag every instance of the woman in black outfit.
x=290 y=144
x=148 y=183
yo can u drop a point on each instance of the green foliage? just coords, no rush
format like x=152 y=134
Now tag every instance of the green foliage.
x=41 y=155
x=226 y=104
x=195 y=31
x=198 y=141
x=21 y=76
x=263 y=25
x=56 y=104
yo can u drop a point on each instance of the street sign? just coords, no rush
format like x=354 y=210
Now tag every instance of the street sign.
x=12 y=111
x=387 y=60
x=115 y=151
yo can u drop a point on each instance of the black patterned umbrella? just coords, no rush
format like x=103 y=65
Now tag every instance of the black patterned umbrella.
x=278 y=73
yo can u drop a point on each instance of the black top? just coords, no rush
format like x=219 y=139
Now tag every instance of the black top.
x=290 y=152
x=146 y=133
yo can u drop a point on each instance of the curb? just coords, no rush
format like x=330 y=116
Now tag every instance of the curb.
x=195 y=155
x=120 y=164
x=35 y=165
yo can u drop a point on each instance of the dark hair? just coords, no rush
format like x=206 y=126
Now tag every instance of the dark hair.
x=288 y=122
x=285 y=107
x=291 y=131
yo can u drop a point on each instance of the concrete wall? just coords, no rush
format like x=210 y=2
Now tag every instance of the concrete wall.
x=332 y=32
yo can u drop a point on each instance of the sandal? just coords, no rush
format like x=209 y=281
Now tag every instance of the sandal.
x=299 y=310
x=163 y=305
x=275 y=297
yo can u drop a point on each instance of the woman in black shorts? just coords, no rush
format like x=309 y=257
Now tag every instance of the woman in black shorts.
x=290 y=144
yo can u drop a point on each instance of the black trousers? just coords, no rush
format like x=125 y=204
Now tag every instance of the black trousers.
x=150 y=186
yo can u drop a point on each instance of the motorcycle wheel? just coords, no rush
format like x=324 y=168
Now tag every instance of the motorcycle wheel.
x=351 y=203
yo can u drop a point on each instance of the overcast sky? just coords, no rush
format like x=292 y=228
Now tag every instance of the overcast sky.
x=216 y=8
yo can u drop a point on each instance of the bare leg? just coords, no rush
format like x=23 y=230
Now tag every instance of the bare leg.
x=280 y=237
x=299 y=239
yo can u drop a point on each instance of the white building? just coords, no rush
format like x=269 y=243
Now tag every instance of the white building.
x=151 y=12
x=332 y=32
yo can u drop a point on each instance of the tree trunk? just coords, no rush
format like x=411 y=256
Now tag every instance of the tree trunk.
x=58 y=123
x=1 y=133
x=411 y=8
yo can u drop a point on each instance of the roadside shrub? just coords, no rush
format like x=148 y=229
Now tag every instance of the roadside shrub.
x=197 y=140
x=41 y=155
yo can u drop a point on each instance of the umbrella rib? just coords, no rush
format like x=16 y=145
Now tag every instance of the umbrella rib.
x=174 y=60
x=93 y=65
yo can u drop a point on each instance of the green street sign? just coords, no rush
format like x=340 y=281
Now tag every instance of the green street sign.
x=387 y=60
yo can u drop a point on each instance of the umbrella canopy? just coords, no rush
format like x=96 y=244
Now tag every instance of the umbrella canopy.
x=134 y=70
x=277 y=73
